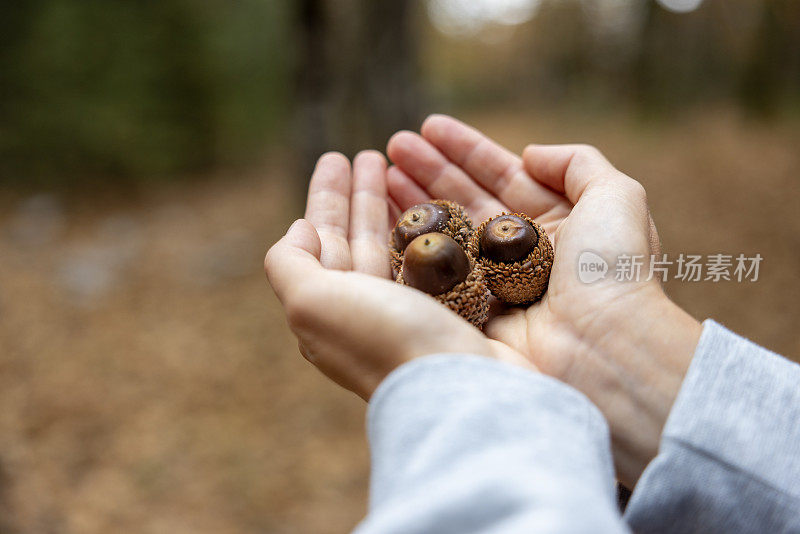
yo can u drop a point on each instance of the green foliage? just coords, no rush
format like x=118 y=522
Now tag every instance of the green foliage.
x=137 y=88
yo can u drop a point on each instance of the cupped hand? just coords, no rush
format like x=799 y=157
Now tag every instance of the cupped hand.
x=331 y=273
x=622 y=343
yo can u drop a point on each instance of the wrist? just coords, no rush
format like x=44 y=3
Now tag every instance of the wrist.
x=647 y=343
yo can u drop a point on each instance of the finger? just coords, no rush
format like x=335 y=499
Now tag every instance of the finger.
x=504 y=353
x=328 y=209
x=404 y=190
x=509 y=329
x=369 y=231
x=495 y=168
x=293 y=257
x=394 y=212
x=595 y=187
x=439 y=177
x=568 y=169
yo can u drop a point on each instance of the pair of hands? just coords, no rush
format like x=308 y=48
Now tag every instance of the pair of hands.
x=623 y=344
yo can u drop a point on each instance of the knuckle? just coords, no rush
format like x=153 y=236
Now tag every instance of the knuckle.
x=589 y=156
x=589 y=151
x=635 y=189
x=528 y=151
x=631 y=190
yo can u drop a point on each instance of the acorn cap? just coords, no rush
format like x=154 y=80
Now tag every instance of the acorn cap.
x=518 y=282
x=469 y=299
x=458 y=226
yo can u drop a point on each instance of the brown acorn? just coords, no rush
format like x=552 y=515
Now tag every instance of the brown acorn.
x=445 y=216
x=516 y=257
x=436 y=264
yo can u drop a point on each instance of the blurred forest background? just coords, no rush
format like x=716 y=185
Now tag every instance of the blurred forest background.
x=151 y=151
x=146 y=90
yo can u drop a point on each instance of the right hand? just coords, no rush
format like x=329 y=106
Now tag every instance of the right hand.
x=624 y=344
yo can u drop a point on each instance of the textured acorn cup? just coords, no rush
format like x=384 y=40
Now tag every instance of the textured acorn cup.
x=455 y=224
x=516 y=264
x=469 y=297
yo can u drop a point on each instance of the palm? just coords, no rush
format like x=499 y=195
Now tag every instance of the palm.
x=339 y=257
x=451 y=160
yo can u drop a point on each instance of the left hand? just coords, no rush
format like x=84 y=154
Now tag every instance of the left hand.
x=331 y=273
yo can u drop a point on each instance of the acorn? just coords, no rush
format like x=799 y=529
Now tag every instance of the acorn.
x=516 y=257
x=444 y=216
x=436 y=264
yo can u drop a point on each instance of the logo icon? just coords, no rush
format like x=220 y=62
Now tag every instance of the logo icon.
x=591 y=267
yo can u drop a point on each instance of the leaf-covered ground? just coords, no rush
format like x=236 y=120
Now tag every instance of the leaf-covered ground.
x=148 y=382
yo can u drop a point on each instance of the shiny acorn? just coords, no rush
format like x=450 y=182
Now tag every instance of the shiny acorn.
x=436 y=264
x=508 y=238
x=441 y=216
x=418 y=220
x=516 y=257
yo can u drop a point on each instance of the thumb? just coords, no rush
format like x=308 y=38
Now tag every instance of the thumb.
x=506 y=354
x=584 y=175
x=293 y=257
x=576 y=169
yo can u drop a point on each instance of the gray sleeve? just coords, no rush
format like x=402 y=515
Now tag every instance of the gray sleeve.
x=464 y=444
x=729 y=458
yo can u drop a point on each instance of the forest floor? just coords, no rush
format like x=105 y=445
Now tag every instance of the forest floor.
x=148 y=382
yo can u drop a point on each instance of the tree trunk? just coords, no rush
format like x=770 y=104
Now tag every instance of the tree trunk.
x=357 y=79
x=392 y=96
x=312 y=82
